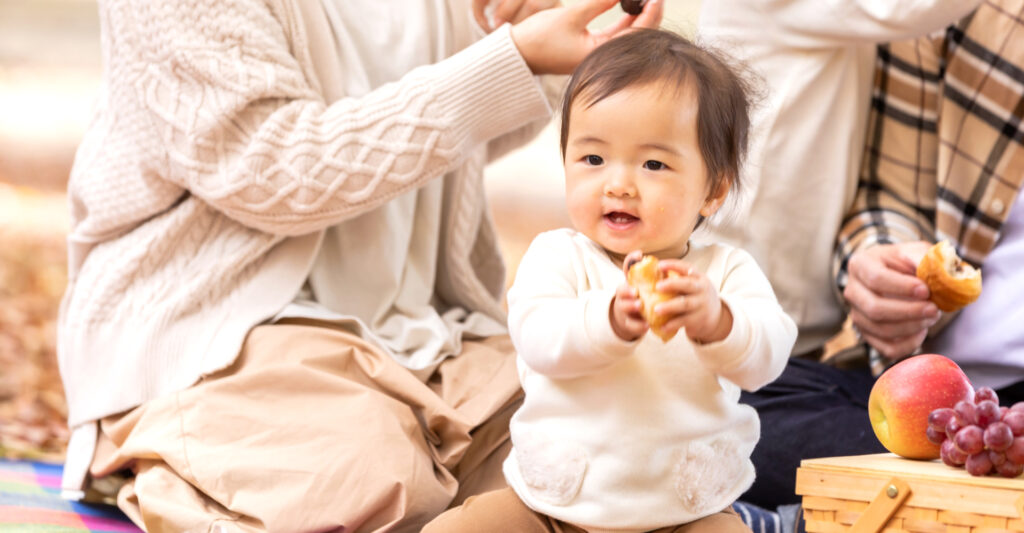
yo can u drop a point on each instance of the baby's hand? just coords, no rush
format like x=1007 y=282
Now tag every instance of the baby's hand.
x=695 y=304
x=624 y=313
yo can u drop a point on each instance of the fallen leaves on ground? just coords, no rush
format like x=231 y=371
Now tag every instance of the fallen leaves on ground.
x=33 y=274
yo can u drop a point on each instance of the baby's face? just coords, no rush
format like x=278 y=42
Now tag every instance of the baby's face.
x=634 y=175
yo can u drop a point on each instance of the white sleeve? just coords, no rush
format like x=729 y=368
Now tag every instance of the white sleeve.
x=557 y=330
x=757 y=348
x=830 y=22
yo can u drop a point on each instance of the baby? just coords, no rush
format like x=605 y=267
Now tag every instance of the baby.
x=619 y=430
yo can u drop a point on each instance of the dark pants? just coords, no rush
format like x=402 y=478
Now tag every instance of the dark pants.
x=814 y=410
x=811 y=410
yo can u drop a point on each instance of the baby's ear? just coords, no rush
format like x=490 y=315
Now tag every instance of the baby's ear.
x=716 y=198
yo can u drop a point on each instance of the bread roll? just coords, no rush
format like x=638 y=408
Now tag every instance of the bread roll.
x=644 y=276
x=952 y=282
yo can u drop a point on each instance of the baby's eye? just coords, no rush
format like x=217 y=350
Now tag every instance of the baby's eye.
x=651 y=164
x=593 y=160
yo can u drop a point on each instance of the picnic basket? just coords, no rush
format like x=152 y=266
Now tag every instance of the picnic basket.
x=887 y=493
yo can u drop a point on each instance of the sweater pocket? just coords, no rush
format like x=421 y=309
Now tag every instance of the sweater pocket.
x=706 y=471
x=553 y=470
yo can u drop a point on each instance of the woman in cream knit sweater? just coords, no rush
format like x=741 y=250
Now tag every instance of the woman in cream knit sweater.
x=279 y=244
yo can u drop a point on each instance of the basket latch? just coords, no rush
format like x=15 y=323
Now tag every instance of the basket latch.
x=882 y=507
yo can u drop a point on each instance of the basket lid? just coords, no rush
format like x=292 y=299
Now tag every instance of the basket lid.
x=889 y=464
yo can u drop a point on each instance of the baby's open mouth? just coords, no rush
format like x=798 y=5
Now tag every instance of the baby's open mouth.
x=618 y=217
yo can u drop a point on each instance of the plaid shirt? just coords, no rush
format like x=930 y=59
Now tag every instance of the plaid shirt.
x=943 y=156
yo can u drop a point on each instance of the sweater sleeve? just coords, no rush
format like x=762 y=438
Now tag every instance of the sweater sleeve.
x=757 y=348
x=553 y=86
x=893 y=203
x=226 y=104
x=559 y=330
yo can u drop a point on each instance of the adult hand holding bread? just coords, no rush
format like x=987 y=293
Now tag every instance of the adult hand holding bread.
x=889 y=304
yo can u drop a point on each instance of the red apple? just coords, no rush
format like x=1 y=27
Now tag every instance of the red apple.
x=903 y=397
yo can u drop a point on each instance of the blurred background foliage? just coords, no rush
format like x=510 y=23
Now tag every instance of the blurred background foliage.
x=49 y=72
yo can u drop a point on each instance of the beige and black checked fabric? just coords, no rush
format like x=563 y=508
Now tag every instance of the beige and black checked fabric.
x=943 y=157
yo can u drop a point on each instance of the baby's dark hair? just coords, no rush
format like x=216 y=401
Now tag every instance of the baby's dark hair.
x=644 y=56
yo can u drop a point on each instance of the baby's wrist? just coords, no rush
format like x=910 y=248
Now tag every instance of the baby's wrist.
x=722 y=328
x=619 y=332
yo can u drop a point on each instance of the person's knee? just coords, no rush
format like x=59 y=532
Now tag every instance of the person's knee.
x=726 y=521
x=499 y=510
x=468 y=517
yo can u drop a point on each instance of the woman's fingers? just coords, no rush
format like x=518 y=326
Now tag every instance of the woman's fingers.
x=490 y=14
x=516 y=10
x=480 y=14
x=651 y=16
x=584 y=11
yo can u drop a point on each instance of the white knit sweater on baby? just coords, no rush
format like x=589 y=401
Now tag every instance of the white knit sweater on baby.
x=618 y=436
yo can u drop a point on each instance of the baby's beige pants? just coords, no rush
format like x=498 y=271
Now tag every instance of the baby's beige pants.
x=502 y=510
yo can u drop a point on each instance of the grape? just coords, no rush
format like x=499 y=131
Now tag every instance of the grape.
x=1015 y=452
x=978 y=464
x=997 y=458
x=1003 y=410
x=935 y=436
x=969 y=440
x=998 y=436
x=1019 y=406
x=983 y=394
x=1010 y=469
x=1015 y=419
x=954 y=426
x=988 y=412
x=967 y=411
x=940 y=417
x=952 y=456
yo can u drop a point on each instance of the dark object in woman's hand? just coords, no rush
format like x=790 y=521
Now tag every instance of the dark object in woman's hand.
x=633 y=7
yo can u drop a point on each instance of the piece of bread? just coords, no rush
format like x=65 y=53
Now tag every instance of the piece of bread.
x=644 y=276
x=952 y=282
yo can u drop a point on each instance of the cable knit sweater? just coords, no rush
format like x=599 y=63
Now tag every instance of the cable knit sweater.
x=220 y=151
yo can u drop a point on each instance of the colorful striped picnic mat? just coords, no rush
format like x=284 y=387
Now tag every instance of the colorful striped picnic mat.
x=30 y=501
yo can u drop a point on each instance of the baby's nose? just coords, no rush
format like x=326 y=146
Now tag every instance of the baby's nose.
x=620 y=187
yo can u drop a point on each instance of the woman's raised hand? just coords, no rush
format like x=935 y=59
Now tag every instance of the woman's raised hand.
x=554 y=41
x=514 y=11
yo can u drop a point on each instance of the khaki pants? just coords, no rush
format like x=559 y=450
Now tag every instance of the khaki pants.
x=502 y=510
x=312 y=429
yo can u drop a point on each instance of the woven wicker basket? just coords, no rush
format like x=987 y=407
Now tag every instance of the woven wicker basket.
x=884 y=492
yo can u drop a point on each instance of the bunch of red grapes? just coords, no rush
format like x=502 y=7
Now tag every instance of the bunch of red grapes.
x=980 y=436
